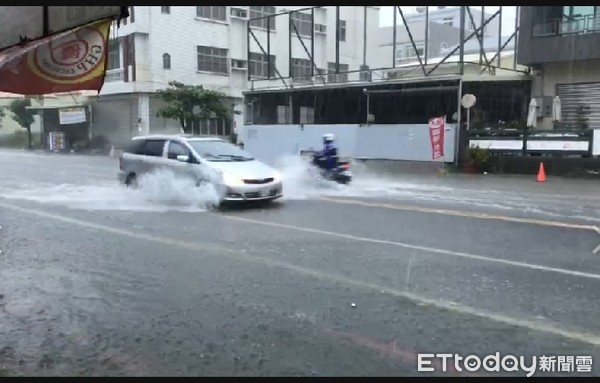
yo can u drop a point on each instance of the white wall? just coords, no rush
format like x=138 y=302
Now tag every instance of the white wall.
x=390 y=142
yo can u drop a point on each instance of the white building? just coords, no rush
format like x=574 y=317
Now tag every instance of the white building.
x=451 y=16
x=207 y=46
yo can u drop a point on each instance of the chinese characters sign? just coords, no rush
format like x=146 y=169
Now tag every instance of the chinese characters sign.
x=68 y=61
x=437 y=125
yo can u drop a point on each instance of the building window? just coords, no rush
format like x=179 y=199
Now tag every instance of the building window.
x=575 y=18
x=365 y=74
x=131 y=17
x=407 y=51
x=342 y=30
x=340 y=77
x=448 y=21
x=213 y=60
x=166 y=61
x=258 y=65
x=212 y=127
x=213 y=13
x=261 y=11
x=131 y=49
x=307 y=115
x=284 y=115
x=303 y=23
x=301 y=69
x=165 y=10
x=114 y=55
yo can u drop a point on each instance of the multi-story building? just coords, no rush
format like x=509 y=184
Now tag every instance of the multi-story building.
x=451 y=16
x=442 y=31
x=208 y=45
x=440 y=38
x=562 y=46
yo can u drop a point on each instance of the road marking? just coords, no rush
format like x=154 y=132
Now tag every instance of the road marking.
x=461 y=213
x=597 y=249
x=533 y=325
x=421 y=248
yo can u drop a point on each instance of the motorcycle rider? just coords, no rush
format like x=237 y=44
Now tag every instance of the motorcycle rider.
x=327 y=159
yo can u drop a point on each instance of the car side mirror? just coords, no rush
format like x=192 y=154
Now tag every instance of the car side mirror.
x=183 y=158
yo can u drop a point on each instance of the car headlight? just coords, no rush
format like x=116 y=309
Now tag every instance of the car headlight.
x=231 y=180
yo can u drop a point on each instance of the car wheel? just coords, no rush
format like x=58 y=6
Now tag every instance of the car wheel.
x=131 y=180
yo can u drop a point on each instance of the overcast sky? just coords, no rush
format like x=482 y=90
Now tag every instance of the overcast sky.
x=386 y=16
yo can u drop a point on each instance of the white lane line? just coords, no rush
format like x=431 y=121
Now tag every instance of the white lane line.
x=529 y=324
x=421 y=248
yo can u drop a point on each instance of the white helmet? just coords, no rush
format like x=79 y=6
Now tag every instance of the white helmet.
x=328 y=137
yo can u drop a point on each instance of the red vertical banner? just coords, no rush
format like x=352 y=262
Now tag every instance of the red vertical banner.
x=437 y=126
x=69 y=61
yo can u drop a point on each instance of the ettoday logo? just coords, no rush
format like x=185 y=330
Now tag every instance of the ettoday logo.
x=506 y=363
x=473 y=363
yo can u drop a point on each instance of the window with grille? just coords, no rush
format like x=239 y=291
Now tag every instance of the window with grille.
x=448 y=21
x=166 y=61
x=131 y=49
x=303 y=23
x=407 y=51
x=261 y=11
x=258 y=64
x=342 y=30
x=340 y=77
x=212 y=60
x=114 y=55
x=212 y=127
x=301 y=69
x=211 y=12
x=307 y=115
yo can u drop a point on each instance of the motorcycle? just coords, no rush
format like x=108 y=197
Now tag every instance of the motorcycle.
x=340 y=174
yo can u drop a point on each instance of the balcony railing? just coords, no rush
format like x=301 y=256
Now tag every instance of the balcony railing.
x=114 y=75
x=565 y=27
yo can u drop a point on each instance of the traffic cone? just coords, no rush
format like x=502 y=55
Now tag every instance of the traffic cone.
x=541 y=177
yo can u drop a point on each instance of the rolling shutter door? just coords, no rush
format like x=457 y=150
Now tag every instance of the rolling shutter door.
x=580 y=103
x=116 y=119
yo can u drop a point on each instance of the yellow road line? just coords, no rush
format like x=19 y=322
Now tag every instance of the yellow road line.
x=460 y=213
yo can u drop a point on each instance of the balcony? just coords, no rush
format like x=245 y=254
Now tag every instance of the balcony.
x=114 y=75
x=567 y=27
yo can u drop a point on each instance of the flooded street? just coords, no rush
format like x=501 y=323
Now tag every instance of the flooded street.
x=97 y=280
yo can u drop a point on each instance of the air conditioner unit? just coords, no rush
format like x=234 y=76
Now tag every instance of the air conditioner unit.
x=321 y=28
x=238 y=64
x=240 y=13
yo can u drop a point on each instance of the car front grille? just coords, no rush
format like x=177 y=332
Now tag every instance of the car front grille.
x=252 y=195
x=258 y=181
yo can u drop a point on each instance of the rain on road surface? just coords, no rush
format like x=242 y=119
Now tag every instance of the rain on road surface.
x=100 y=280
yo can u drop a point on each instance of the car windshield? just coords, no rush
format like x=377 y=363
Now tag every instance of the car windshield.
x=217 y=150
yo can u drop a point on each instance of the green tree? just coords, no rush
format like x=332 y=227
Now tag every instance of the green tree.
x=22 y=115
x=188 y=103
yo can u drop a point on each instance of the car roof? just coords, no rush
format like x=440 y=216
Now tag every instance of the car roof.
x=188 y=137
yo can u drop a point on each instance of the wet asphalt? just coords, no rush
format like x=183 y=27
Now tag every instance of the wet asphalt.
x=356 y=284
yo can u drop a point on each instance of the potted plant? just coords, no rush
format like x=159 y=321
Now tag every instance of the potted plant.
x=478 y=160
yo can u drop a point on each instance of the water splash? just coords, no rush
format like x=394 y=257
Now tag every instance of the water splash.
x=158 y=191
